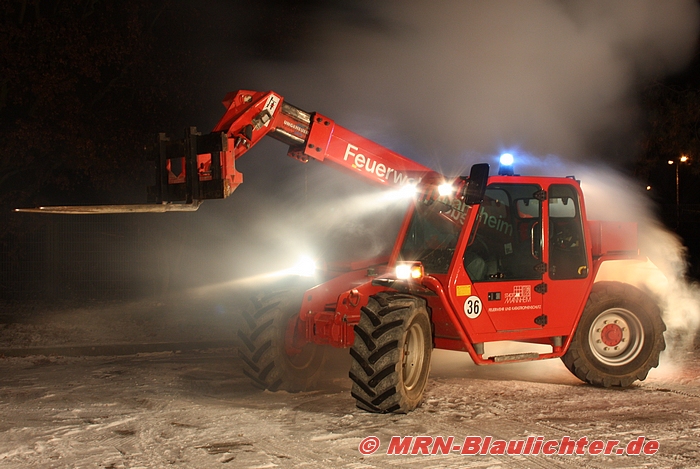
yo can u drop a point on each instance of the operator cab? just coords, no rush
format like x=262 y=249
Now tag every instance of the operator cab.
x=437 y=221
x=506 y=241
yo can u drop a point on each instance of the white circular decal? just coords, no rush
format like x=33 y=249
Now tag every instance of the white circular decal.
x=473 y=307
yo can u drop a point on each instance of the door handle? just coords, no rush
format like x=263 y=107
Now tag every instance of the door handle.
x=532 y=241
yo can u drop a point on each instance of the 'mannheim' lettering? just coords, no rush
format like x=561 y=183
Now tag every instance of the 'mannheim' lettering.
x=497 y=224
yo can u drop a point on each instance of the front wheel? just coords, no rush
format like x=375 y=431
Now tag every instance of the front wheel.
x=619 y=337
x=266 y=359
x=391 y=353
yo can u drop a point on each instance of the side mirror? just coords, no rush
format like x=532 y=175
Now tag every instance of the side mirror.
x=475 y=187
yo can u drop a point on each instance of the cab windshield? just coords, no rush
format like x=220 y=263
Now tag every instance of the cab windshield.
x=433 y=232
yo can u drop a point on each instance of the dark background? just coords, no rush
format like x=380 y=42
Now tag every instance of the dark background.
x=86 y=85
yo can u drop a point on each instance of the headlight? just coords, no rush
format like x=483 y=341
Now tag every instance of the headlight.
x=305 y=267
x=445 y=189
x=409 y=271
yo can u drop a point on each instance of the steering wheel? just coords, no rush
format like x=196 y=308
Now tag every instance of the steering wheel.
x=565 y=238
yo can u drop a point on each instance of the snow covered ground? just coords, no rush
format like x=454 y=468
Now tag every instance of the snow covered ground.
x=195 y=409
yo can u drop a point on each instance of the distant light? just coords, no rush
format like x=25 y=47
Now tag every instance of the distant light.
x=684 y=158
x=445 y=189
x=506 y=159
x=670 y=161
x=648 y=188
x=305 y=267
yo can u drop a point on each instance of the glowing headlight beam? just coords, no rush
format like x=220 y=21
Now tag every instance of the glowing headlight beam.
x=404 y=192
x=408 y=190
x=305 y=267
x=445 y=189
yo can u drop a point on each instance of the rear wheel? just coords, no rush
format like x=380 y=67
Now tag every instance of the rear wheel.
x=619 y=337
x=267 y=360
x=391 y=353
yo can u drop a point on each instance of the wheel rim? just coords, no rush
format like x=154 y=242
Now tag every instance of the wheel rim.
x=616 y=337
x=297 y=358
x=413 y=356
x=301 y=361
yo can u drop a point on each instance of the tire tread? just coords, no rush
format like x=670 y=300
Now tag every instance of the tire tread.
x=261 y=331
x=586 y=370
x=376 y=355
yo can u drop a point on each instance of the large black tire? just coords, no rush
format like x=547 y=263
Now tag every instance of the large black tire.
x=391 y=353
x=619 y=337
x=262 y=331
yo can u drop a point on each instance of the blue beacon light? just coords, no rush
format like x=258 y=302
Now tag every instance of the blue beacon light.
x=506 y=165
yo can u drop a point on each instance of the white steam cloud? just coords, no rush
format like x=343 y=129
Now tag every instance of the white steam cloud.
x=439 y=79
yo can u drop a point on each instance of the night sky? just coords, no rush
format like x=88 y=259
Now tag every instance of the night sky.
x=86 y=85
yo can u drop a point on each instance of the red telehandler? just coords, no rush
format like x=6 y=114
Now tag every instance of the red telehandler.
x=478 y=260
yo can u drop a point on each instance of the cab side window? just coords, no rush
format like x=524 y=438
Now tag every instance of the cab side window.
x=567 y=250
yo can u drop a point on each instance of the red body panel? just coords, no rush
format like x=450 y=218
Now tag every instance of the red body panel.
x=610 y=237
x=325 y=323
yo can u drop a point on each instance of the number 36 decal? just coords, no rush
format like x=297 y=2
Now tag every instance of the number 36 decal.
x=472 y=307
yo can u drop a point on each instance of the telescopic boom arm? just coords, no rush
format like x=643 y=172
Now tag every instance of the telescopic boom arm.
x=201 y=167
x=249 y=117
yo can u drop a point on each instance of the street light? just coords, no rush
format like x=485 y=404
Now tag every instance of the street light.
x=681 y=159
